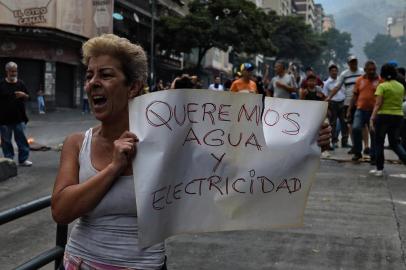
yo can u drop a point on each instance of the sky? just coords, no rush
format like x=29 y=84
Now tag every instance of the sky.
x=332 y=6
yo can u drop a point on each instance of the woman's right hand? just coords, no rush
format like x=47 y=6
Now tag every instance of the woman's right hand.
x=124 y=151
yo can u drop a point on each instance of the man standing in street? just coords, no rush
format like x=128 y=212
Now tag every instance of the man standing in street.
x=216 y=86
x=283 y=84
x=335 y=105
x=347 y=79
x=364 y=100
x=245 y=84
x=13 y=118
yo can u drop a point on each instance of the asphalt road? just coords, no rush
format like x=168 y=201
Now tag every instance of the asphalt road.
x=352 y=221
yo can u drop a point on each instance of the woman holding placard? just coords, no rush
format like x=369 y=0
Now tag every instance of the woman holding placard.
x=94 y=182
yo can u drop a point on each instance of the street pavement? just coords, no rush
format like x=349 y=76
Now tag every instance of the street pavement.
x=352 y=220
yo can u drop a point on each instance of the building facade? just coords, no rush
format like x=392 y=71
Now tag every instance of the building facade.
x=44 y=38
x=281 y=7
x=306 y=9
x=328 y=22
x=319 y=15
x=397 y=25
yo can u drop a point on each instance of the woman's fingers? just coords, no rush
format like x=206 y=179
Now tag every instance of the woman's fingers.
x=324 y=135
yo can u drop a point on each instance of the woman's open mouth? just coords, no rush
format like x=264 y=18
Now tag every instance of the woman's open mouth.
x=99 y=101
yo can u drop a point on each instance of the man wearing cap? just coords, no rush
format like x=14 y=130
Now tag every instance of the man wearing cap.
x=245 y=84
x=335 y=105
x=347 y=79
x=283 y=84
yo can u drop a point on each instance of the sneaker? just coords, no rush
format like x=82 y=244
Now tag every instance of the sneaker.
x=376 y=172
x=26 y=163
x=366 y=151
x=356 y=157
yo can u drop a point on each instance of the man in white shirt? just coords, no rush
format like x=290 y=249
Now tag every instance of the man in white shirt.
x=335 y=105
x=217 y=86
x=347 y=79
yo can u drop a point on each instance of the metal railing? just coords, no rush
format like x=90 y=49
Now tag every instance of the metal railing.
x=53 y=254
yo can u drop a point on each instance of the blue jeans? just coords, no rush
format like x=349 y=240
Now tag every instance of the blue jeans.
x=20 y=139
x=388 y=124
x=41 y=104
x=85 y=106
x=361 y=118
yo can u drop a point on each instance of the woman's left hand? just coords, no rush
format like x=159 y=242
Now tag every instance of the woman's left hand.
x=324 y=136
x=372 y=124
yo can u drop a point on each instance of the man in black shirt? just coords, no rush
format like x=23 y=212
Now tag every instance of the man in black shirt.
x=13 y=118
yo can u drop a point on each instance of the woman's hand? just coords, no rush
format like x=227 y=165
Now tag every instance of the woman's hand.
x=324 y=136
x=124 y=151
x=372 y=124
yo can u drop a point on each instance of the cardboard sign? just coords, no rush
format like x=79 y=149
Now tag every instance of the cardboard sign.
x=218 y=161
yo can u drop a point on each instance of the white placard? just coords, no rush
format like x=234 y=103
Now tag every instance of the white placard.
x=217 y=161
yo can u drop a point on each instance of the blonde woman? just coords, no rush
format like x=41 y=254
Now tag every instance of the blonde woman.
x=94 y=183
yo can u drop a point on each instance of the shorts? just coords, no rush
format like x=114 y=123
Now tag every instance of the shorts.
x=71 y=262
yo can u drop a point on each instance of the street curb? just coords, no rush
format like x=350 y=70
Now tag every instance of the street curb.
x=8 y=168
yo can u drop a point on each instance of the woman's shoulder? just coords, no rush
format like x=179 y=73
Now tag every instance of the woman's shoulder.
x=74 y=140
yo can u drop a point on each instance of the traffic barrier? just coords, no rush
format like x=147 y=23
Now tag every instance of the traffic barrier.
x=53 y=254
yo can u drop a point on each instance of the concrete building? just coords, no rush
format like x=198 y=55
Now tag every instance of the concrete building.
x=281 y=7
x=397 y=25
x=319 y=15
x=328 y=22
x=306 y=9
x=136 y=26
x=44 y=38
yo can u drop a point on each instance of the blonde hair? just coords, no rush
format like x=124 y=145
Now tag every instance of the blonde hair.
x=131 y=56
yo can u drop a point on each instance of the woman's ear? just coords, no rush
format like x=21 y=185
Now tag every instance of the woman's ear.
x=135 y=89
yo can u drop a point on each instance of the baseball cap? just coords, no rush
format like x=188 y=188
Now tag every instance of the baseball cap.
x=393 y=63
x=247 y=66
x=351 y=58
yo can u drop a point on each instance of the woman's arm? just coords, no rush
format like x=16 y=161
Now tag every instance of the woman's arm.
x=71 y=199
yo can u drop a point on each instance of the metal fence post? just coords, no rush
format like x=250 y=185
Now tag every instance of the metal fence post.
x=61 y=239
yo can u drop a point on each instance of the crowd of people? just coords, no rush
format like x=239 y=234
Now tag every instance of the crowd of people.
x=364 y=105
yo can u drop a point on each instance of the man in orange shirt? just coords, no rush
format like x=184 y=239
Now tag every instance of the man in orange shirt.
x=245 y=84
x=364 y=100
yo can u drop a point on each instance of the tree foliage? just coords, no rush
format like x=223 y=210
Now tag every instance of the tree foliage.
x=217 y=23
x=384 y=48
x=247 y=29
x=295 y=39
x=337 y=46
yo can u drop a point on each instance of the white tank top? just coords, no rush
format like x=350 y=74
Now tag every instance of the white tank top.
x=109 y=233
